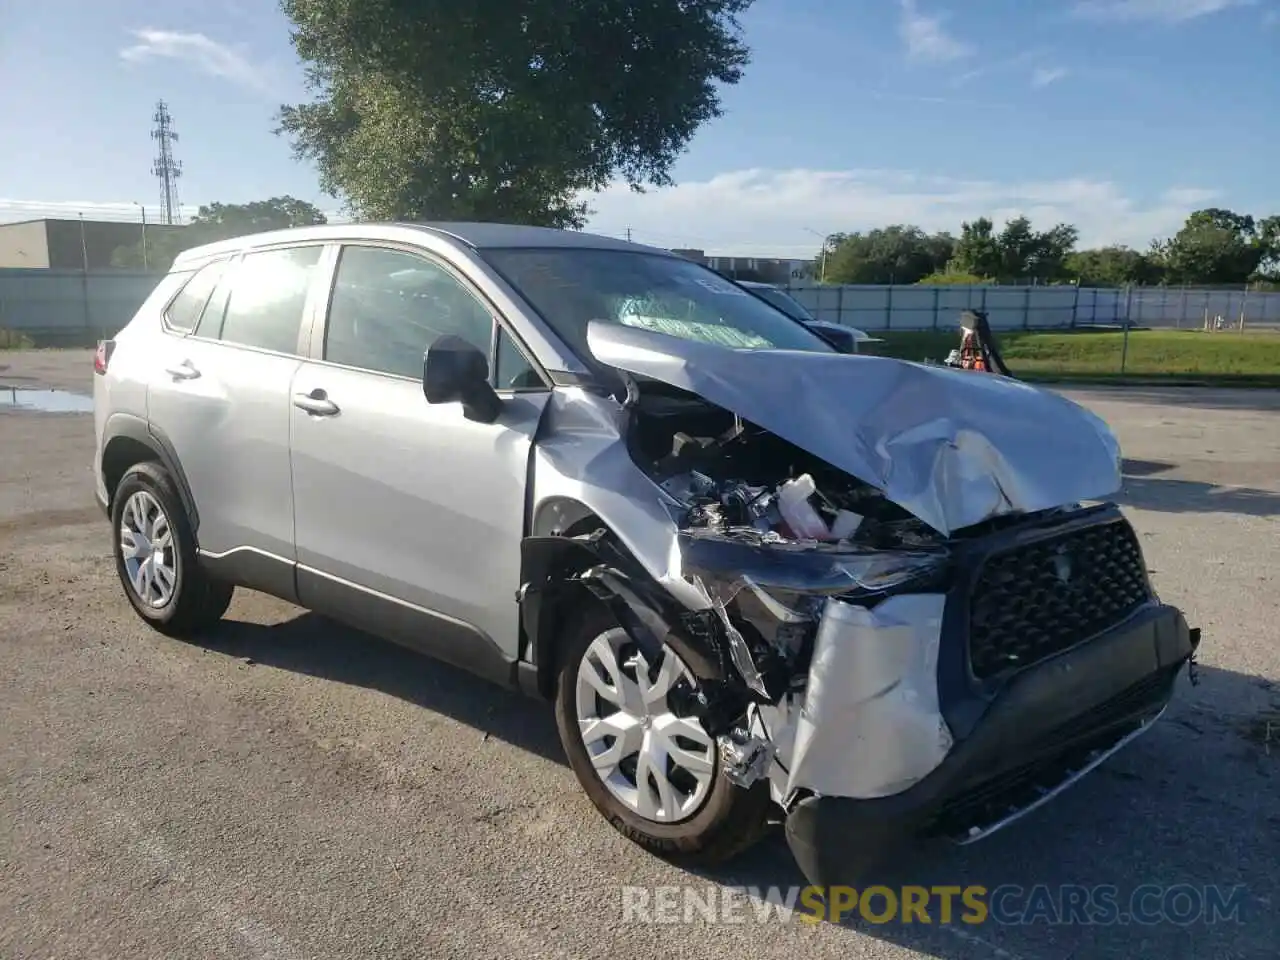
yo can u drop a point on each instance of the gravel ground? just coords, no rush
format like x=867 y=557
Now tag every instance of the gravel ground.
x=298 y=790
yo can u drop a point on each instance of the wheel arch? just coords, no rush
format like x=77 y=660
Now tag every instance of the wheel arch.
x=567 y=539
x=130 y=440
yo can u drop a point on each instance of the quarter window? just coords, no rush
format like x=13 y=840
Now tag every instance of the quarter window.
x=268 y=292
x=512 y=369
x=187 y=306
x=388 y=307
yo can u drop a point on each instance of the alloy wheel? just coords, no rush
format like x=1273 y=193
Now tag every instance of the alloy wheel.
x=150 y=555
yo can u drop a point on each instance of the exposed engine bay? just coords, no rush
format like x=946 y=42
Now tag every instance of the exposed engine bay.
x=769 y=533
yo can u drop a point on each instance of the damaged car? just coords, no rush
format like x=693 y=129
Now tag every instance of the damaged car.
x=759 y=579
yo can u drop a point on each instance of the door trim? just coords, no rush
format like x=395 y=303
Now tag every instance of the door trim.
x=424 y=631
x=253 y=568
x=405 y=624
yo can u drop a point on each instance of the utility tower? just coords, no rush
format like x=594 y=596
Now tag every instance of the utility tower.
x=164 y=167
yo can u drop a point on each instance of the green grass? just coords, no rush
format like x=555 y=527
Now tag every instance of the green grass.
x=13 y=340
x=1224 y=358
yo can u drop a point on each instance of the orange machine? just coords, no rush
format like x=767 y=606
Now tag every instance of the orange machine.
x=978 y=348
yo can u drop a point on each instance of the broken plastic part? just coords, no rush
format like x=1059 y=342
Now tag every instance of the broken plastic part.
x=802 y=520
x=745 y=758
x=846 y=525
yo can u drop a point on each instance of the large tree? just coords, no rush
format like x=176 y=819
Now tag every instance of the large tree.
x=1220 y=246
x=893 y=254
x=506 y=110
x=218 y=221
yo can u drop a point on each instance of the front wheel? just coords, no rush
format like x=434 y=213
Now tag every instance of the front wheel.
x=646 y=763
x=155 y=555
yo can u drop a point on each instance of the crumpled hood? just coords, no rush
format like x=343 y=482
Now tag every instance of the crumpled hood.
x=954 y=448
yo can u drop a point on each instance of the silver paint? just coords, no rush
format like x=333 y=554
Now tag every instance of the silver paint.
x=869 y=724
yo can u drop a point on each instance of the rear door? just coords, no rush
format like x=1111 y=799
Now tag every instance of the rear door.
x=221 y=398
x=409 y=515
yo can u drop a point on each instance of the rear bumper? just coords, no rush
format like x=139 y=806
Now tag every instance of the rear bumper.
x=1047 y=728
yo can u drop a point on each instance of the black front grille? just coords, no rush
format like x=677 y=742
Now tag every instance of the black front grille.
x=1041 y=598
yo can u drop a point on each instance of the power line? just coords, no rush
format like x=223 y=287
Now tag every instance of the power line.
x=166 y=169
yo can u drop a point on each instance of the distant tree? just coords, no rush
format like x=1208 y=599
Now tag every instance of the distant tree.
x=977 y=251
x=218 y=221
x=1220 y=246
x=428 y=109
x=1016 y=253
x=894 y=254
x=1114 y=266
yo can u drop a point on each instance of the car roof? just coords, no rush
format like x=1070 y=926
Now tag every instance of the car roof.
x=477 y=236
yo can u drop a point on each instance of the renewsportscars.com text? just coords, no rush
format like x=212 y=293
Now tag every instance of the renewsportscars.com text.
x=972 y=904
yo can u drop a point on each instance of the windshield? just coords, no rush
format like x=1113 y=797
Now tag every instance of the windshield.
x=784 y=302
x=571 y=287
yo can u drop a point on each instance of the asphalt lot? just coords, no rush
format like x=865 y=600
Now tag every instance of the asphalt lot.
x=298 y=790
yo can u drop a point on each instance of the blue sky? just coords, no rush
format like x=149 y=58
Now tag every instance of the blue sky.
x=1118 y=115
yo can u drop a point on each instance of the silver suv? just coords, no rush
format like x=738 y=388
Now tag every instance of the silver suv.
x=757 y=577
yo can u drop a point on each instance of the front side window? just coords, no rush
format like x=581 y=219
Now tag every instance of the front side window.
x=389 y=306
x=571 y=287
x=266 y=299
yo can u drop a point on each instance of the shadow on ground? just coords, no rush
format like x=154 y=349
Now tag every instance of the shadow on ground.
x=315 y=646
x=1208 y=398
x=1169 y=495
x=1193 y=803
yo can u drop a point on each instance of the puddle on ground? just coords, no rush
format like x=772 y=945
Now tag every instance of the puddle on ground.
x=45 y=401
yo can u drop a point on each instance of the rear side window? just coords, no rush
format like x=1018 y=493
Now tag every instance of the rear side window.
x=268 y=291
x=187 y=306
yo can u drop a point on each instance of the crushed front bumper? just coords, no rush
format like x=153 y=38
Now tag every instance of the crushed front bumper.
x=1050 y=725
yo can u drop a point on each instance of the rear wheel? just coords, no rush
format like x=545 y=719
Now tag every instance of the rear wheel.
x=156 y=556
x=643 y=759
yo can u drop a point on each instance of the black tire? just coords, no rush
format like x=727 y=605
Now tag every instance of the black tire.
x=731 y=818
x=198 y=601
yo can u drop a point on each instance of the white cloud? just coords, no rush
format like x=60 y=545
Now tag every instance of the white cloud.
x=927 y=38
x=1189 y=196
x=1043 y=76
x=205 y=54
x=775 y=212
x=1161 y=11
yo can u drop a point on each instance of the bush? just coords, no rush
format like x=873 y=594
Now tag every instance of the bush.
x=953 y=279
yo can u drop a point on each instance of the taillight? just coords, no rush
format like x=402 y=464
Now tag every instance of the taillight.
x=102 y=356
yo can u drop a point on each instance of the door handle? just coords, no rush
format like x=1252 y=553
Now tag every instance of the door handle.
x=186 y=370
x=316 y=403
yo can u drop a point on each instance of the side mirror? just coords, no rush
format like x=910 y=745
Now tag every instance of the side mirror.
x=454 y=370
x=840 y=337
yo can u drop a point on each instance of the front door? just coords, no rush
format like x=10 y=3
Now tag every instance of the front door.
x=408 y=515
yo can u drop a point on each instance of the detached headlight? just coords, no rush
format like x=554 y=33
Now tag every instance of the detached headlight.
x=729 y=563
